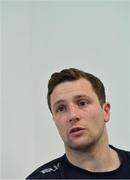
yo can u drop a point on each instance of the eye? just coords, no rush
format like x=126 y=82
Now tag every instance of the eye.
x=61 y=108
x=83 y=103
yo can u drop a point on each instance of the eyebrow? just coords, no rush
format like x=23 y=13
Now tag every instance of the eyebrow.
x=75 y=98
x=81 y=96
x=58 y=102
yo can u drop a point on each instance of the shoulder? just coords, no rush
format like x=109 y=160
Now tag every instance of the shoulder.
x=124 y=153
x=50 y=170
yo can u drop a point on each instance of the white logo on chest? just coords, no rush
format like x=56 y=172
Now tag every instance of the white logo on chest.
x=53 y=168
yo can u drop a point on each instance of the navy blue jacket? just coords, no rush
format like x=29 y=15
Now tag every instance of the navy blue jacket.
x=61 y=168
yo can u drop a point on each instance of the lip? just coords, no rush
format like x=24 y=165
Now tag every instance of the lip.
x=75 y=130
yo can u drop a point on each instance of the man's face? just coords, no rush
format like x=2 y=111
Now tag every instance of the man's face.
x=77 y=113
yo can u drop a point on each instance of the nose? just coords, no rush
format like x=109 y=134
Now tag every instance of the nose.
x=73 y=115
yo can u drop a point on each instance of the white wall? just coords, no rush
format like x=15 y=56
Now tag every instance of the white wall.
x=41 y=37
x=0 y=86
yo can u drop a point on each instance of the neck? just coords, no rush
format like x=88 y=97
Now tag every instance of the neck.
x=96 y=158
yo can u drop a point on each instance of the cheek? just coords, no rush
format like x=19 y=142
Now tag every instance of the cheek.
x=60 y=124
x=62 y=128
x=89 y=113
x=94 y=117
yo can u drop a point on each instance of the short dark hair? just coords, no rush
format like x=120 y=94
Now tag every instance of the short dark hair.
x=73 y=74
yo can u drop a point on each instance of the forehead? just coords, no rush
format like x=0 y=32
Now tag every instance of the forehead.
x=84 y=83
x=71 y=88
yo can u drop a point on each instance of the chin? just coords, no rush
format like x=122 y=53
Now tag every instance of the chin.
x=82 y=146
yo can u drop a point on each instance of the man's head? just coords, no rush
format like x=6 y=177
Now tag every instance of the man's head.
x=79 y=108
x=73 y=74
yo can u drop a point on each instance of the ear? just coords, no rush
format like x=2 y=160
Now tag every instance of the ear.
x=106 y=109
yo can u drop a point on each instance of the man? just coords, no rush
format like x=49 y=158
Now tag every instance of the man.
x=78 y=105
